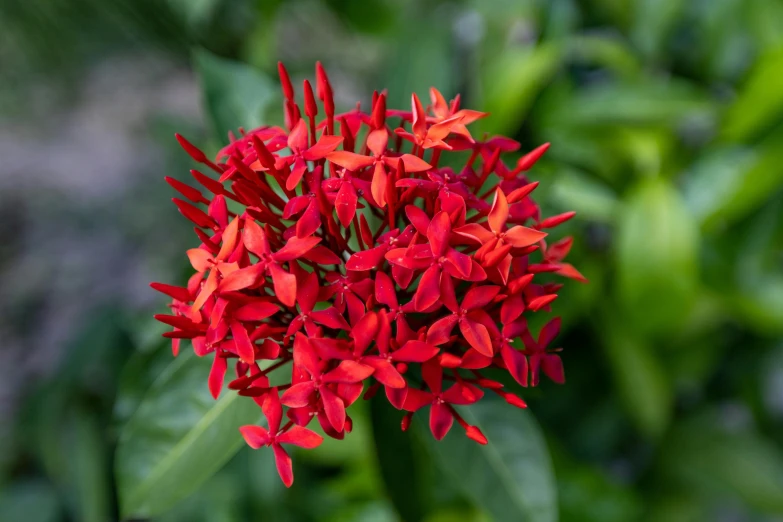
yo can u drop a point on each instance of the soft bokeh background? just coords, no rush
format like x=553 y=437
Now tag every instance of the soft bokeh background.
x=666 y=119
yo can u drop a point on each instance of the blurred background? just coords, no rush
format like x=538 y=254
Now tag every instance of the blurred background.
x=666 y=123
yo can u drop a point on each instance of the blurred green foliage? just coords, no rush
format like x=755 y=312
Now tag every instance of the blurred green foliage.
x=666 y=119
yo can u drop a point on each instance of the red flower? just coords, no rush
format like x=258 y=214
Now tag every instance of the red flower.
x=438 y=258
x=440 y=402
x=387 y=270
x=256 y=436
x=299 y=395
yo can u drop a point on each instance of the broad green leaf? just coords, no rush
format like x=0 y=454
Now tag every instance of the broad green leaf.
x=645 y=101
x=760 y=102
x=510 y=478
x=761 y=306
x=641 y=381
x=140 y=372
x=592 y=200
x=404 y=464
x=234 y=95
x=511 y=82
x=678 y=506
x=217 y=499
x=656 y=252
x=195 y=13
x=766 y=19
x=32 y=500
x=420 y=59
x=653 y=25
x=728 y=184
x=604 y=51
x=704 y=455
x=759 y=283
x=177 y=438
x=88 y=469
x=588 y=494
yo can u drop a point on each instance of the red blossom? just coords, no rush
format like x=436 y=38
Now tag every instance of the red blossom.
x=349 y=261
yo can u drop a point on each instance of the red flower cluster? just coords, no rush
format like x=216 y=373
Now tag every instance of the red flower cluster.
x=378 y=265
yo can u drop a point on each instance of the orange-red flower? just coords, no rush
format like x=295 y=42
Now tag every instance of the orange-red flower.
x=350 y=258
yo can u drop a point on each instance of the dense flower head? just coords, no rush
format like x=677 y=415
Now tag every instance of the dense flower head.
x=360 y=254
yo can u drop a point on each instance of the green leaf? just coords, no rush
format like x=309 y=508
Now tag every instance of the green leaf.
x=234 y=95
x=758 y=296
x=88 y=470
x=654 y=23
x=511 y=82
x=196 y=13
x=588 y=494
x=31 y=501
x=510 y=478
x=421 y=59
x=656 y=252
x=644 y=101
x=640 y=379
x=403 y=462
x=177 y=438
x=729 y=183
x=704 y=454
x=606 y=51
x=591 y=199
x=760 y=102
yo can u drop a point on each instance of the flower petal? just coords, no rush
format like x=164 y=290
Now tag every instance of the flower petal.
x=295 y=248
x=397 y=396
x=302 y=437
x=364 y=332
x=255 y=239
x=377 y=141
x=242 y=278
x=549 y=332
x=438 y=233
x=441 y=420
x=242 y=342
x=428 y=292
x=385 y=372
x=283 y=461
x=515 y=362
x=384 y=290
x=348 y=372
x=256 y=311
x=217 y=375
x=284 y=284
x=273 y=411
x=324 y=146
x=345 y=203
x=350 y=160
x=255 y=436
x=366 y=259
x=200 y=259
x=477 y=336
x=416 y=399
x=331 y=318
x=418 y=218
x=552 y=366
x=334 y=408
x=310 y=220
x=479 y=297
x=474 y=231
x=498 y=215
x=416 y=351
x=298 y=395
x=414 y=163
x=380 y=182
x=520 y=236
x=300 y=167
